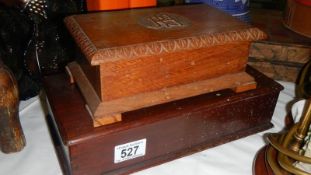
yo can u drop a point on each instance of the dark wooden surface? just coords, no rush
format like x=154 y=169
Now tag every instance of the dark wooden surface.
x=172 y=130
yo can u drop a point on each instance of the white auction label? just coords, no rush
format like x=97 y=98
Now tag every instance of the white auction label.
x=129 y=151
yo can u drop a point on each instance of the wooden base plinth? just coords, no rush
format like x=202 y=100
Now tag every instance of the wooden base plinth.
x=261 y=166
x=171 y=130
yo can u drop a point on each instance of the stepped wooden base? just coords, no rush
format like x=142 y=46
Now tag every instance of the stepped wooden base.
x=261 y=165
x=105 y=112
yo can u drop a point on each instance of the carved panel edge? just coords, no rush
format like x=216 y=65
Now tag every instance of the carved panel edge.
x=81 y=39
x=176 y=45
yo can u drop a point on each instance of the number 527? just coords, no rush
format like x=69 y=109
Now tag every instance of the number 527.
x=128 y=152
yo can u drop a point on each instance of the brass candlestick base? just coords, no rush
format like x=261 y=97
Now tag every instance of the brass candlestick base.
x=280 y=148
x=285 y=149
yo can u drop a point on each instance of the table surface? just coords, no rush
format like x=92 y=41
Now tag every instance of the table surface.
x=235 y=158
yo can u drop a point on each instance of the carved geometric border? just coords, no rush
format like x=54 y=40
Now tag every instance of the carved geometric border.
x=174 y=45
x=81 y=39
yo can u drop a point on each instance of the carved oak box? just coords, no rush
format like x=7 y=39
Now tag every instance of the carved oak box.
x=143 y=57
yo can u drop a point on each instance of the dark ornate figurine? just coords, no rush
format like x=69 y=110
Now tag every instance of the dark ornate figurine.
x=33 y=42
x=48 y=49
x=33 y=39
x=14 y=35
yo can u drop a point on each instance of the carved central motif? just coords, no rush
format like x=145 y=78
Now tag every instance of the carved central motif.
x=162 y=21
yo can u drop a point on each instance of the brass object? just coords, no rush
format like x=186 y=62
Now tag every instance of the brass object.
x=302 y=129
x=304 y=84
x=287 y=146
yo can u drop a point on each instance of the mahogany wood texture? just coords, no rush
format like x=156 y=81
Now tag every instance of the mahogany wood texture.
x=297 y=17
x=261 y=166
x=172 y=129
x=142 y=51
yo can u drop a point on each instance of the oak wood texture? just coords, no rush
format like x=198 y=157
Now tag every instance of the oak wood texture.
x=143 y=52
x=108 y=37
x=108 y=112
x=12 y=138
x=172 y=129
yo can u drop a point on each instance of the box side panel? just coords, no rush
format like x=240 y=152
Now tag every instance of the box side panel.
x=60 y=147
x=91 y=72
x=191 y=130
x=129 y=77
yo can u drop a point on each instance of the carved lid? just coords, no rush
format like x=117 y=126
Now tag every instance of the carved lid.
x=111 y=36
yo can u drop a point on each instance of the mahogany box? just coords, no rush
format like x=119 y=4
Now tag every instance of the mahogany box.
x=164 y=132
x=139 y=58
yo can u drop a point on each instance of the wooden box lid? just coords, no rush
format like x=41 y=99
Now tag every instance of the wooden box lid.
x=118 y=35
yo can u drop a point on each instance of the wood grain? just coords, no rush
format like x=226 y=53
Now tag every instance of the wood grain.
x=12 y=138
x=279 y=61
x=280 y=52
x=261 y=166
x=100 y=110
x=100 y=36
x=230 y=81
x=167 y=70
x=76 y=73
x=297 y=17
x=107 y=120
